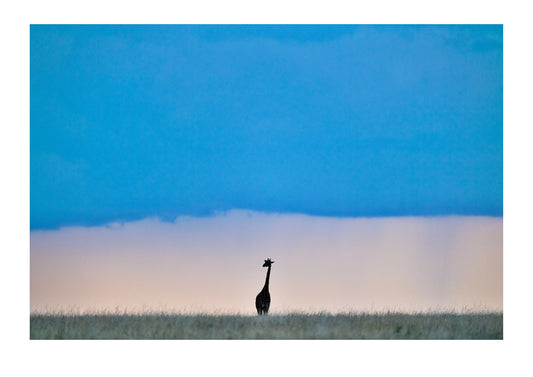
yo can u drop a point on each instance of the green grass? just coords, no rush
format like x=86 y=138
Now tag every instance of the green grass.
x=286 y=326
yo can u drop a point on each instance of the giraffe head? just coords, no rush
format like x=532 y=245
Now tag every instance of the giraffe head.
x=268 y=262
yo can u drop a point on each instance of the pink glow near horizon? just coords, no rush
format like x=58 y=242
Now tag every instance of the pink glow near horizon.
x=213 y=264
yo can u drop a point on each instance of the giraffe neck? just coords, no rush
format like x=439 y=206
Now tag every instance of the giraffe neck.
x=267 y=279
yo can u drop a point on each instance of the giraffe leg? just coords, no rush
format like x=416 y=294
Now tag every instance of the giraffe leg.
x=266 y=306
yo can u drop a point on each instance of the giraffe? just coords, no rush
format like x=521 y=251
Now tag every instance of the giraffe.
x=262 y=301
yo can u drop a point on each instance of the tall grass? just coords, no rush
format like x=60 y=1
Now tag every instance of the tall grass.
x=484 y=325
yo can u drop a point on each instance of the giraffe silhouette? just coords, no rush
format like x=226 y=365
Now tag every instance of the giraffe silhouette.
x=262 y=301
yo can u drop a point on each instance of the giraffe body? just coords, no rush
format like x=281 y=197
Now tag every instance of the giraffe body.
x=262 y=301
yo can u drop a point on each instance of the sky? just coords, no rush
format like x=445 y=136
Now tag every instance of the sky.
x=129 y=122
x=213 y=264
x=164 y=159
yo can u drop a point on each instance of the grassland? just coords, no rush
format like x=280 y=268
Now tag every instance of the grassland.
x=286 y=326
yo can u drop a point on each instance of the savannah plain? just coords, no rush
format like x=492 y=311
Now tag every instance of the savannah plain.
x=388 y=325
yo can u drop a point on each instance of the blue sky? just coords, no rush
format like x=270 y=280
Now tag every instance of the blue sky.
x=129 y=122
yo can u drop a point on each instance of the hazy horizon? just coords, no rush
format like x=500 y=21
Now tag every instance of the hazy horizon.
x=213 y=264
